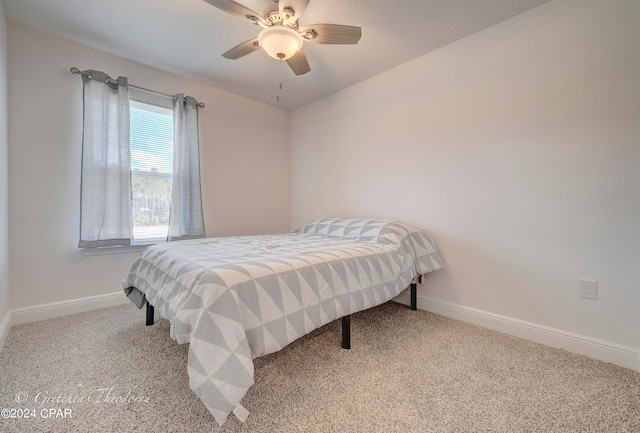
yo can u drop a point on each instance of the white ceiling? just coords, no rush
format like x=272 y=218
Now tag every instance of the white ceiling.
x=187 y=37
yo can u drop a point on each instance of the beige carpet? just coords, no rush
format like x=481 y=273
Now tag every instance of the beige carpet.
x=407 y=371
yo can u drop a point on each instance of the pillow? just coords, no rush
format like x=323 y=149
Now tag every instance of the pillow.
x=410 y=241
x=364 y=229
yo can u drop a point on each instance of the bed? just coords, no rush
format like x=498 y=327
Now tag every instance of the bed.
x=234 y=299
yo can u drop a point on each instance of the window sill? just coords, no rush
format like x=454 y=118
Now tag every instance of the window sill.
x=134 y=248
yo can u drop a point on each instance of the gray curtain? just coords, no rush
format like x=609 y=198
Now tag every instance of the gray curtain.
x=186 y=220
x=105 y=218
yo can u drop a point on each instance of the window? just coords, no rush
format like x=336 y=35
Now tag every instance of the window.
x=140 y=165
x=151 y=142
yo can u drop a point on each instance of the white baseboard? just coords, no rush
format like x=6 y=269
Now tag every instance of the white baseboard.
x=617 y=354
x=64 y=308
x=5 y=325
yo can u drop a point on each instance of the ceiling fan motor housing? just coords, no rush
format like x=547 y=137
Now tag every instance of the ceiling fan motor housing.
x=273 y=16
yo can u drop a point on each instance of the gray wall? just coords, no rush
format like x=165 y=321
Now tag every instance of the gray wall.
x=4 y=179
x=517 y=149
x=245 y=182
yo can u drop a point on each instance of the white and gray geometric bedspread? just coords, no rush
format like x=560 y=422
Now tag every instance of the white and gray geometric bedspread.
x=237 y=298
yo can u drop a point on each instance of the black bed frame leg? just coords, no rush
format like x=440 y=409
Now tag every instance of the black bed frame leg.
x=414 y=297
x=150 y=311
x=346 y=332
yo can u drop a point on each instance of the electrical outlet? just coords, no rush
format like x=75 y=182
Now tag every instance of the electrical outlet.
x=589 y=289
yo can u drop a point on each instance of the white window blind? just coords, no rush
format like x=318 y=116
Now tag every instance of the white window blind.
x=151 y=143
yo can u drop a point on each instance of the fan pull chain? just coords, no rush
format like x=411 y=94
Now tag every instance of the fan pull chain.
x=279 y=80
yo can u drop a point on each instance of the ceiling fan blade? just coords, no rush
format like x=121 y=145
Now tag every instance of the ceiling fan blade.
x=331 y=34
x=243 y=49
x=298 y=6
x=299 y=64
x=238 y=10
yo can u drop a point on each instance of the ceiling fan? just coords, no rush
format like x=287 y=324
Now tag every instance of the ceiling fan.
x=281 y=36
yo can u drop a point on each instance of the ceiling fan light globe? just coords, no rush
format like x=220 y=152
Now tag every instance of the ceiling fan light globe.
x=280 y=42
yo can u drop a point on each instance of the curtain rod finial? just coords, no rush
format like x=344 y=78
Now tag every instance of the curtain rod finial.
x=74 y=70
